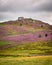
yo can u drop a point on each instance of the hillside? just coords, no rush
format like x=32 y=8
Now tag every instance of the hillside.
x=23 y=26
x=26 y=36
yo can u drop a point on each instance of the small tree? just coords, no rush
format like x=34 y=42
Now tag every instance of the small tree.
x=46 y=35
x=41 y=25
x=40 y=36
x=20 y=24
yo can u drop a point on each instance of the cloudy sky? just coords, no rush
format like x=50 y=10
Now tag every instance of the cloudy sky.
x=36 y=9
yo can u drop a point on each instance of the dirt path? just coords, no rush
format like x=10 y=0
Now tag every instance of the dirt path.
x=26 y=58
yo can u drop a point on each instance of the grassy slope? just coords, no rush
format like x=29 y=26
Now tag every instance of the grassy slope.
x=39 y=60
x=27 y=49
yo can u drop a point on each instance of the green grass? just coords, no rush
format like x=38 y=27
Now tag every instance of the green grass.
x=27 y=49
x=22 y=53
x=26 y=61
x=4 y=42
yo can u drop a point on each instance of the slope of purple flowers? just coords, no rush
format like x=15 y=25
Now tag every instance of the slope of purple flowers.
x=37 y=36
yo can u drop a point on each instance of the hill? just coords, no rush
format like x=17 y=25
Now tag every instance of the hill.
x=22 y=26
x=25 y=36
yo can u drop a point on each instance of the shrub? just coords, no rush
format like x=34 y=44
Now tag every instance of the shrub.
x=41 y=25
x=46 y=35
x=40 y=36
x=20 y=24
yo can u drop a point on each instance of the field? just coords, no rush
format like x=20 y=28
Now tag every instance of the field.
x=39 y=53
x=27 y=49
x=36 y=60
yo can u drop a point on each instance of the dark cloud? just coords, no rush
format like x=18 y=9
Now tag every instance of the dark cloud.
x=14 y=6
x=9 y=9
x=45 y=7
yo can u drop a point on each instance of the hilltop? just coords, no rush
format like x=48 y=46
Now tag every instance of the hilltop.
x=23 y=26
